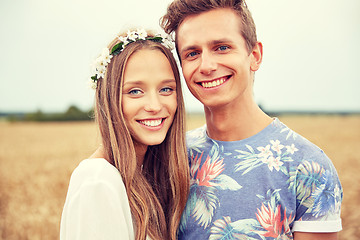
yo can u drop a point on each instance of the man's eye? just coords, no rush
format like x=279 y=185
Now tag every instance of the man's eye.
x=192 y=54
x=223 y=48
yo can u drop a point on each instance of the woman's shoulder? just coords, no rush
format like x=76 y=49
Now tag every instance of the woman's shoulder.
x=96 y=171
x=96 y=203
x=95 y=168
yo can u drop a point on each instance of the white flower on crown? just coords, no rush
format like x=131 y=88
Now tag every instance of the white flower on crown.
x=100 y=64
x=142 y=34
x=100 y=72
x=132 y=35
x=105 y=55
x=123 y=40
x=92 y=84
x=167 y=41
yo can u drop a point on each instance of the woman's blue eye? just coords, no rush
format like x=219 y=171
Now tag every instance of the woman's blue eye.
x=135 y=92
x=166 y=89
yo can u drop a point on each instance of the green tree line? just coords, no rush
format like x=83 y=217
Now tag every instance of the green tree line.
x=73 y=113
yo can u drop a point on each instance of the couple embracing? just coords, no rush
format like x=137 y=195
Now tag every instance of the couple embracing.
x=244 y=175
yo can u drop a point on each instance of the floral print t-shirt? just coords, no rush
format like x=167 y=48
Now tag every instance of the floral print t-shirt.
x=263 y=187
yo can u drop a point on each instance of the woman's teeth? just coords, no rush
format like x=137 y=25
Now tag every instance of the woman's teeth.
x=151 y=123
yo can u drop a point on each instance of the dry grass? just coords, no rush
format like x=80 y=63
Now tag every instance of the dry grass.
x=36 y=160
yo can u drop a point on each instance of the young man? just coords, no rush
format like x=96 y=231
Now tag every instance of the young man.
x=251 y=176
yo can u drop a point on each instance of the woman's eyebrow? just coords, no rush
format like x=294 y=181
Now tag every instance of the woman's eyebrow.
x=171 y=80
x=133 y=82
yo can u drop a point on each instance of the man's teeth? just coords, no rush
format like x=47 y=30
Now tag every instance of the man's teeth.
x=152 y=123
x=213 y=83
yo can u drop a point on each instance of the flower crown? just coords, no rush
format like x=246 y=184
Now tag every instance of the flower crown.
x=100 y=64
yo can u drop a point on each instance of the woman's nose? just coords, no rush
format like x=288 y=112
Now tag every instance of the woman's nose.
x=153 y=103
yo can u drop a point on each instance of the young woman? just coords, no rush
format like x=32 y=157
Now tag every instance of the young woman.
x=135 y=185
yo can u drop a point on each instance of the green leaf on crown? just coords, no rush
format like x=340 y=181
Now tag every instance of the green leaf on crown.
x=117 y=49
x=155 y=39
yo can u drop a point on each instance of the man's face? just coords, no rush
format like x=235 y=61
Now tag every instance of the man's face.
x=216 y=65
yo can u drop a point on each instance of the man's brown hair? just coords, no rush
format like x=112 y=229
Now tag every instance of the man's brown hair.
x=178 y=10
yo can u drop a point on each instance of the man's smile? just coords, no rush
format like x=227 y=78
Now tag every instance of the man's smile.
x=214 y=83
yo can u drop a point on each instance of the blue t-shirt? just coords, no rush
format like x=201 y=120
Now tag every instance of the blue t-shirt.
x=263 y=187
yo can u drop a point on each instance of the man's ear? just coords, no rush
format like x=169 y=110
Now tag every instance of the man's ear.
x=256 y=56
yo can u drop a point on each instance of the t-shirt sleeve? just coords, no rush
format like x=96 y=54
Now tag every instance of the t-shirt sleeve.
x=318 y=196
x=96 y=211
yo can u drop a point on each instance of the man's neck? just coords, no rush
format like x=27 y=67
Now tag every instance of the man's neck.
x=233 y=123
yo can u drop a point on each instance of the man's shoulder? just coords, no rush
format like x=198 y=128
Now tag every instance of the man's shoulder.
x=196 y=133
x=294 y=142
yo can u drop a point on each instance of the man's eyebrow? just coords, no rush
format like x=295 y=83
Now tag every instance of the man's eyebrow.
x=220 y=41
x=211 y=43
x=189 y=48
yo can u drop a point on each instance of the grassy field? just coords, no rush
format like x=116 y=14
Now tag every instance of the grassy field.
x=36 y=161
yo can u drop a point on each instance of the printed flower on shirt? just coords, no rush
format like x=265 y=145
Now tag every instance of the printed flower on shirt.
x=272 y=221
x=273 y=163
x=207 y=172
x=271 y=155
x=273 y=218
x=276 y=146
x=292 y=149
x=314 y=189
x=264 y=152
x=224 y=228
x=206 y=180
x=326 y=196
x=303 y=181
x=196 y=138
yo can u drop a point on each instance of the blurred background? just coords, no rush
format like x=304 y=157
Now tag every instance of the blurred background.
x=309 y=79
x=311 y=51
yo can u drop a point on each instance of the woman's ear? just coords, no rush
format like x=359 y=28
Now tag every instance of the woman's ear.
x=256 y=56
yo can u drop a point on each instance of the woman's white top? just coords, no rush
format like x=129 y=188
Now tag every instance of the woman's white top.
x=96 y=205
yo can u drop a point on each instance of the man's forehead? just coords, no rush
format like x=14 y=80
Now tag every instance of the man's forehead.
x=208 y=26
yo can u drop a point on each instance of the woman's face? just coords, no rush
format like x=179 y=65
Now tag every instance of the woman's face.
x=149 y=96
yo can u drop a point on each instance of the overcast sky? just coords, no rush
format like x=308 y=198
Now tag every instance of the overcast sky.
x=311 y=51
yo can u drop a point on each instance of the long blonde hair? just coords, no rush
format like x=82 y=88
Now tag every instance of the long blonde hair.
x=158 y=192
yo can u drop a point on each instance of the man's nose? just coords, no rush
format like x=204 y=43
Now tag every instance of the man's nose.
x=208 y=64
